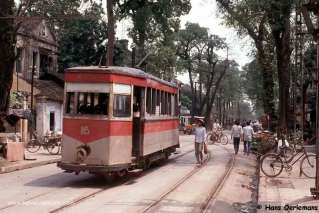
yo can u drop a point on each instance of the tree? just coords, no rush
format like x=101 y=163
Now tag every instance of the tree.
x=229 y=95
x=111 y=33
x=250 y=18
x=252 y=85
x=278 y=13
x=7 y=54
x=82 y=42
x=187 y=40
x=152 y=20
x=214 y=74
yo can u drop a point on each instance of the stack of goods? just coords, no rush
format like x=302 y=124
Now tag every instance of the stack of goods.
x=263 y=142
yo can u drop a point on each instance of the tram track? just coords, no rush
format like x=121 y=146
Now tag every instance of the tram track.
x=176 y=185
x=209 y=201
x=90 y=195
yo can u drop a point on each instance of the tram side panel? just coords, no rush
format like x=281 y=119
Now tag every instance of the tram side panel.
x=106 y=142
x=160 y=135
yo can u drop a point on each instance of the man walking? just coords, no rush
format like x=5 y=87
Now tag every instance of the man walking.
x=236 y=133
x=248 y=133
x=200 y=134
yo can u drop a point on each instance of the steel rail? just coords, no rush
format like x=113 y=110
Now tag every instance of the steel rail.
x=206 y=205
x=209 y=202
x=90 y=195
x=176 y=185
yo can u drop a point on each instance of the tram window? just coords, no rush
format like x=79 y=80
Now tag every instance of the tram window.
x=70 y=104
x=176 y=106
x=158 y=102
x=122 y=106
x=173 y=105
x=153 y=101
x=163 y=103
x=93 y=103
x=169 y=104
x=149 y=101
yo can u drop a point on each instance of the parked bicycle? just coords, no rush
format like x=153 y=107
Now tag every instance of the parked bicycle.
x=217 y=136
x=272 y=164
x=52 y=143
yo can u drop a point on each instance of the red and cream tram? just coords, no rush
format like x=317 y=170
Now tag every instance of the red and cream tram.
x=117 y=119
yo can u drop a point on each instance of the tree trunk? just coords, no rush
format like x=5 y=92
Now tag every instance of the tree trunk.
x=140 y=46
x=283 y=58
x=211 y=100
x=268 y=84
x=192 y=89
x=111 y=33
x=7 y=55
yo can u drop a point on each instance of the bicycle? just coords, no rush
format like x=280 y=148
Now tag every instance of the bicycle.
x=272 y=164
x=216 y=136
x=51 y=143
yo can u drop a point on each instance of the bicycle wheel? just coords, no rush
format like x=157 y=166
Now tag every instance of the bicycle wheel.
x=223 y=139
x=33 y=146
x=271 y=165
x=209 y=138
x=53 y=148
x=308 y=165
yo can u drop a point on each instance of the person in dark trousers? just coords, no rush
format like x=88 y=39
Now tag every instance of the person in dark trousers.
x=236 y=133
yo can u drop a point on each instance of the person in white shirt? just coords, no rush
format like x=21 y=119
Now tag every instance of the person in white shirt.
x=200 y=134
x=236 y=133
x=216 y=125
x=248 y=133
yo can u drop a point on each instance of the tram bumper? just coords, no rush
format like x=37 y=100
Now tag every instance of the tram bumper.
x=77 y=168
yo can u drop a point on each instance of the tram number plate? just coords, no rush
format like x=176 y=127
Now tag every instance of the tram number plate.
x=85 y=130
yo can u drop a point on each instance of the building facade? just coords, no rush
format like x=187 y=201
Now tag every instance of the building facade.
x=37 y=45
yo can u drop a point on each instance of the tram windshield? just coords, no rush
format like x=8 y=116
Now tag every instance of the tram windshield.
x=87 y=103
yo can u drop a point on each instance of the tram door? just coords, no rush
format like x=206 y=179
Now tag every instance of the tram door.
x=138 y=115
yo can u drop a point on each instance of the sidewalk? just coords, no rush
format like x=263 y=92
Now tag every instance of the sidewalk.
x=293 y=190
x=42 y=157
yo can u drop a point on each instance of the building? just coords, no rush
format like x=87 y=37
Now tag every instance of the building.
x=36 y=45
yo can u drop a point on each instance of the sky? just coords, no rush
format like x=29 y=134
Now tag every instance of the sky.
x=206 y=14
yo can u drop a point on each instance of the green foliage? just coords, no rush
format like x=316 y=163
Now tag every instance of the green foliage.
x=252 y=82
x=83 y=40
x=154 y=22
x=16 y=100
x=186 y=101
x=162 y=63
x=55 y=11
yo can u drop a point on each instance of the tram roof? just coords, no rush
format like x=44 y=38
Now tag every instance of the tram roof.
x=128 y=71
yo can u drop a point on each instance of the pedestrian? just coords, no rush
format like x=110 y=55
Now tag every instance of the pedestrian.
x=236 y=133
x=200 y=134
x=248 y=133
x=216 y=125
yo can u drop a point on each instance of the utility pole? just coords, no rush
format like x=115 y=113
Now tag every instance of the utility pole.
x=111 y=33
x=313 y=28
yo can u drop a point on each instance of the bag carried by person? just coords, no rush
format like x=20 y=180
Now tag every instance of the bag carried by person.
x=205 y=149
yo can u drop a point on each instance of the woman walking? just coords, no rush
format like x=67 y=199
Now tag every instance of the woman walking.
x=236 y=133
x=200 y=134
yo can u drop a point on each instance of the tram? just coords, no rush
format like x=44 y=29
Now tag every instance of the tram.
x=117 y=119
